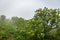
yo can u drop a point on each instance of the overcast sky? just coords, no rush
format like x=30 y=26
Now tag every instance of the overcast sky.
x=25 y=8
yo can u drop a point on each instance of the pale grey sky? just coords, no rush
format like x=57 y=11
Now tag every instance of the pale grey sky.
x=25 y=8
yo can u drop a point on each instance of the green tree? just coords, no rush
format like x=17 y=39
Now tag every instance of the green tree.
x=44 y=21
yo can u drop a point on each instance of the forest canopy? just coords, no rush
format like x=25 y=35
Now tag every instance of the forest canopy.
x=45 y=25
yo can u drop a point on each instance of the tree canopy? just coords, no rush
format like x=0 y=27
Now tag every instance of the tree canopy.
x=45 y=25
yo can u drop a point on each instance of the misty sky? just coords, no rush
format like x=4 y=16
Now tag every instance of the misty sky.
x=25 y=8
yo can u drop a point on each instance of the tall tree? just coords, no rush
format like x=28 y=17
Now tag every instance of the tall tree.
x=44 y=21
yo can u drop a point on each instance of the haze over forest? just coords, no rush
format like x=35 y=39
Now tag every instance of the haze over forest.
x=30 y=20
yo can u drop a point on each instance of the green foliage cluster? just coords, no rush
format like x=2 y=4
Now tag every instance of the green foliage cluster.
x=45 y=25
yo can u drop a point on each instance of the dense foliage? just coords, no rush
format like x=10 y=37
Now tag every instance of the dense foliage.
x=45 y=25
